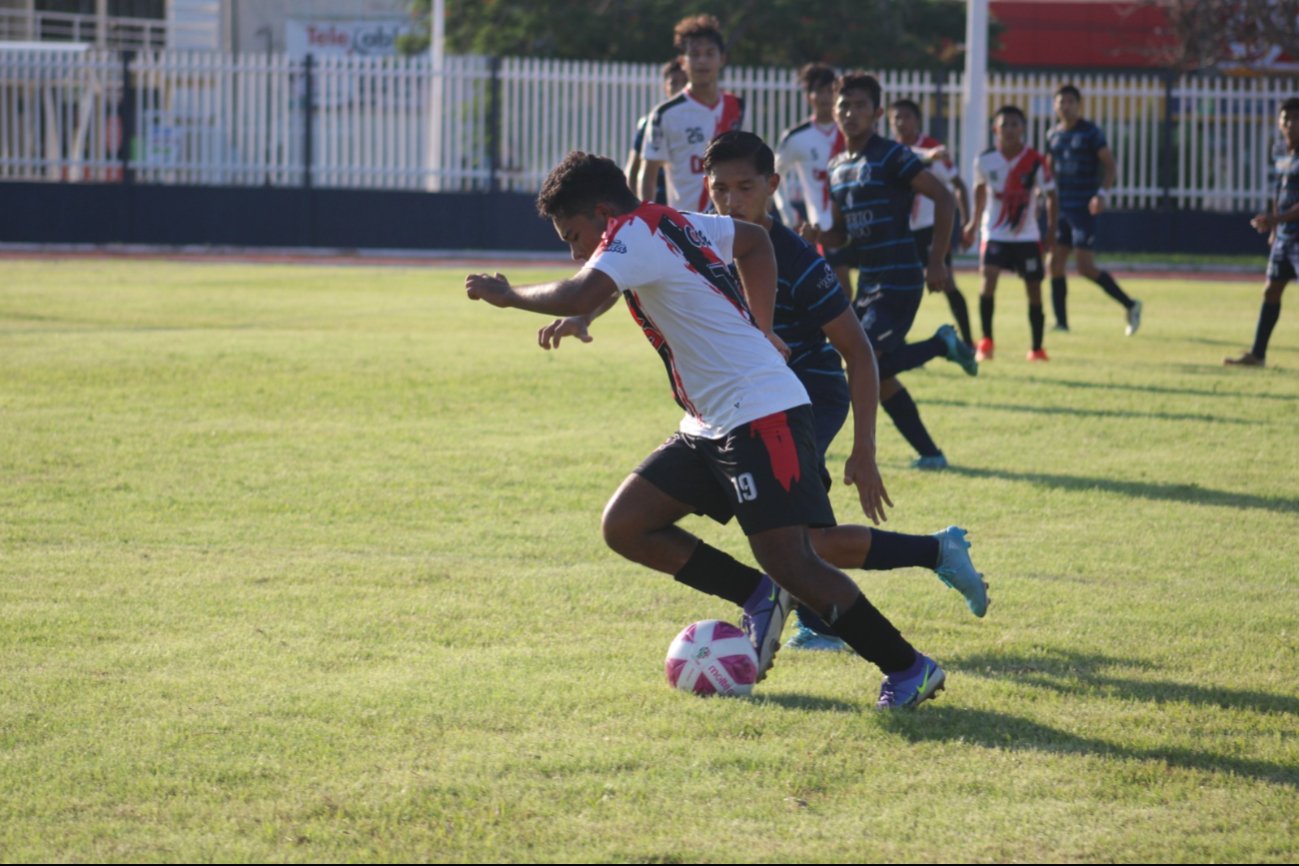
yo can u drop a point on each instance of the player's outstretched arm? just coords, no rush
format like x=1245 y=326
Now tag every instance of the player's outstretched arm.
x=927 y=184
x=846 y=335
x=572 y=326
x=578 y=295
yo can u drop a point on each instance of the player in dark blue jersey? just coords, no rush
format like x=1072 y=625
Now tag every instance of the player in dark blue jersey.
x=871 y=186
x=1084 y=169
x=813 y=317
x=674 y=81
x=1281 y=224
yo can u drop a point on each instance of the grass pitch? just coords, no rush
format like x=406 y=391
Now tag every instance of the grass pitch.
x=303 y=564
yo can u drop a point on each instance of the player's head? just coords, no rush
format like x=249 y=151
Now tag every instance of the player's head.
x=858 y=100
x=817 y=81
x=741 y=174
x=1287 y=120
x=701 y=46
x=579 y=197
x=1068 y=103
x=1009 y=126
x=904 y=120
x=674 y=77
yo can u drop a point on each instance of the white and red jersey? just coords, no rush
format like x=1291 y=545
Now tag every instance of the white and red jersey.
x=672 y=269
x=1013 y=185
x=802 y=156
x=679 y=132
x=922 y=209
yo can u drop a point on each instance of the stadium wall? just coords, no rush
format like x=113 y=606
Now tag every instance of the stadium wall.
x=48 y=213
x=271 y=217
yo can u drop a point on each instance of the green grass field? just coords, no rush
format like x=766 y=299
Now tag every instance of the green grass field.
x=303 y=564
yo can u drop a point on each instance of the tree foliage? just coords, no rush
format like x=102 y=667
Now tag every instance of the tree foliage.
x=1207 y=33
x=915 y=34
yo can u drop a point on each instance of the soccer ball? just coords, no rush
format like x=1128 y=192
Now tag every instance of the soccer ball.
x=712 y=657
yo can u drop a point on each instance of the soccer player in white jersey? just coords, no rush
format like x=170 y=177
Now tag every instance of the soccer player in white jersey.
x=1008 y=179
x=681 y=127
x=905 y=121
x=747 y=441
x=802 y=156
x=674 y=81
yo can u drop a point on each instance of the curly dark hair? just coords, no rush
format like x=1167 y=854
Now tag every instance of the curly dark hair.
x=579 y=183
x=698 y=27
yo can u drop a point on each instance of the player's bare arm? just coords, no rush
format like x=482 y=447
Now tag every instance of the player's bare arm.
x=1052 y=212
x=962 y=200
x=927 y=184
x=572 y=326
x=846 y=335
x=649 y=173
x=756 y=262
x=1106 y=157
x=972 y=225
x=579 y=295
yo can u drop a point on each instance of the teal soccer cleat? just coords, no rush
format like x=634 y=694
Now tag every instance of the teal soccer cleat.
x=957 y=571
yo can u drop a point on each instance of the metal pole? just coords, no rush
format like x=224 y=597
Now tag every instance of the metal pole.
x=127 y=119
x=974 y=103
x=437 y=57
x=494 y=144
x=1166 y=169
x=308 y=133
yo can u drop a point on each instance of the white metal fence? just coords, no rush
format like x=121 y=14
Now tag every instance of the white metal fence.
x=210 y=118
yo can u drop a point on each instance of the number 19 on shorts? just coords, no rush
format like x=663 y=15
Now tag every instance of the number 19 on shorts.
x=746 y=489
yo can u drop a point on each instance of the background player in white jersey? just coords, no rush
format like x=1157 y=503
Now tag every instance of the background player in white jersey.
x=746 y=442
x=1008 y=178
x=674 y=81
x=802 y=156
x=905 y=121
x=681 y=127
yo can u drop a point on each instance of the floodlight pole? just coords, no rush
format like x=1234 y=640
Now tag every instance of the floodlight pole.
x=437 y=63
x=974 y=90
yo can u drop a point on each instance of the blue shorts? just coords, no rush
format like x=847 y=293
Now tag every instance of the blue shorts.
x=886 y=317
x=828 y=391
x=1076 y=229
x=1283 y=263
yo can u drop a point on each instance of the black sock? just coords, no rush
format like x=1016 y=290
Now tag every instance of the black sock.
x=910 y=356
x=716 y=573
x=1036 y=324
x=961 y=313
x=895 y=550
x=1111 y=288
x=987 y=304
x=809 y=619
x=1267 y=317
x=1059 y=292
x=906 y=417
x=873 y=637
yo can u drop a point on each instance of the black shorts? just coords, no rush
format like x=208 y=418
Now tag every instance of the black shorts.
x=1076 y=229
x=1022 y=257
x=1283 y=262
x=766 y=473
x=924 y=240
x=887 y=316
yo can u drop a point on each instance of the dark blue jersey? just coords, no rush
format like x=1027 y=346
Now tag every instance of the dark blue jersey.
x=808 y=297
x=1076 y=163
x=873 y=191
x=1287 y=193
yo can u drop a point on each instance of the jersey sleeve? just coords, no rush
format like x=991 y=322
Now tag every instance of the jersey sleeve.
x=817 y=292
x=1098 y=140
x=655 y=146
x=902 y=165
x=718 y=229
x=629 y=257
x=980 y=174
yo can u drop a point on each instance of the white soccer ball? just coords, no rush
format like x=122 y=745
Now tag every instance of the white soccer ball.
x=712 y=658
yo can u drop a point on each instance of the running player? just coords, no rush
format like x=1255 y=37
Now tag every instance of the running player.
x=681 y=127
x=746 y=444
x=905 y=121
x=871 y=186
x=802 y=158
x=674 y=81
x=1016 y=175
x=1077 y=154
x=1281 y=224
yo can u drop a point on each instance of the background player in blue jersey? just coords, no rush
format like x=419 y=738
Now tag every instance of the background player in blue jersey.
x=1083 y=165
x=871 y=187
x=1281 y=224
x=674 y=80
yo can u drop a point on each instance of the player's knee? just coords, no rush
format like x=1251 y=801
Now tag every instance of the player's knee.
x=1272 y=292
x=620 y=525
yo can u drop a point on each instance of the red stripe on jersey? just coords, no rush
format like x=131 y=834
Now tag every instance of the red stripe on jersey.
x=1021 y=175
x=732 y=117
x=928 y=142
x=781 y=451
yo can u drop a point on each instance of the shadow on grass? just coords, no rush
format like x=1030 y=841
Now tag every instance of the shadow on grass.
x=795 y=701
x=1092 y=413
x=1012 y=733
x=1157 y=389
x=1088 y=673
x=1188 y=493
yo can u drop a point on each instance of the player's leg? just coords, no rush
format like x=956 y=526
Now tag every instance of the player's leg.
x=1131 y=306
x=987 y=308
x=1032 y=270
x=1268 y=315
x=639 y=523
x=960 y=309
x=1060 y=251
